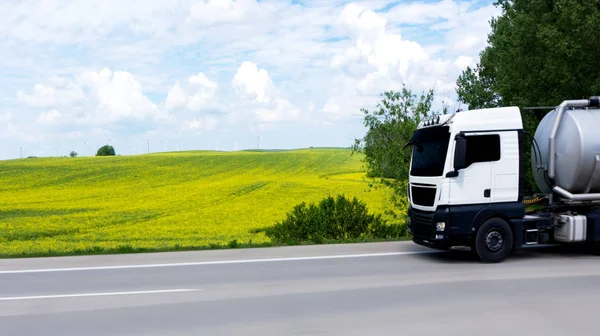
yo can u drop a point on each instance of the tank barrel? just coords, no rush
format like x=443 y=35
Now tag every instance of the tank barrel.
x=568 y=150
x=561 y=109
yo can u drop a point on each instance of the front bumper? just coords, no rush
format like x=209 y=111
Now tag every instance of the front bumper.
x=423 y=227
x=438 y=245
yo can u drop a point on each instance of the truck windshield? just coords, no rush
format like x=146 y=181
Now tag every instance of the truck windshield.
x=430 y=146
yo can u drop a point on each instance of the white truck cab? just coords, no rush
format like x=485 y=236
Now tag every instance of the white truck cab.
x=490 y=172
x=465 y=167
x=467 y=173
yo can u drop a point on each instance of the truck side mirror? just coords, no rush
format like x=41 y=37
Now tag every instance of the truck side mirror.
x=460 y=153
x=460 y=156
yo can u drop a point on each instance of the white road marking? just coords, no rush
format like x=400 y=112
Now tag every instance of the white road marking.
x=240 y=261
x=38 y=297
x=218 y=262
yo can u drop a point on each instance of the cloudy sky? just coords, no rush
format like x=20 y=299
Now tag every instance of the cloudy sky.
x=208 y=74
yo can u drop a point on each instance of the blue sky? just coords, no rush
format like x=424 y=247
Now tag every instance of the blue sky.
x=208 y=74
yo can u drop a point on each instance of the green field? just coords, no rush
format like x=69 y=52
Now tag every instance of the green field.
x=170 y=201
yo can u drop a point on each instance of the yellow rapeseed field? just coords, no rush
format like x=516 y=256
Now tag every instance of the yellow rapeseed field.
x=170 y=201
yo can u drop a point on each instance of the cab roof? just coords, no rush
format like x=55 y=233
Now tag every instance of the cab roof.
x=496 y=118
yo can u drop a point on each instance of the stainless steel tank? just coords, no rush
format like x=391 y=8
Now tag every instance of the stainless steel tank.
x=577 y=151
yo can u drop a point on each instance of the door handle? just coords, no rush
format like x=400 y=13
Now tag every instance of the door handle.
x=487 y=192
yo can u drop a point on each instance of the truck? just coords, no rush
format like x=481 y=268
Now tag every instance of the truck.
x=467 y=178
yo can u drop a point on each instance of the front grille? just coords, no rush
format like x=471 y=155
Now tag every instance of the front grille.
x=421 y=223
x=422 y=196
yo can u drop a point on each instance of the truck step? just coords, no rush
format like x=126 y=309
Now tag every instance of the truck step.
x=531 y=236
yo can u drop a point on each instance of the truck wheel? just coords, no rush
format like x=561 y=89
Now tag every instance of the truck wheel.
x=494 y=240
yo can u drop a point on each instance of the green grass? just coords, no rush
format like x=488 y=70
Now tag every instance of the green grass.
x=170 y=201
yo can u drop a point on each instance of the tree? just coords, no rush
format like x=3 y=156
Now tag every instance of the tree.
x=539 y=53
x=475 y=89
x=105 y=150
x=390 y=126
x=73 y=154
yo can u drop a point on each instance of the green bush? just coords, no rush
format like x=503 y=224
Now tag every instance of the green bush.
x=331 y=220
x=106 y=150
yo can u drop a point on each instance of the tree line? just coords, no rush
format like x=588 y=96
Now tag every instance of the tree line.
x=106 y=150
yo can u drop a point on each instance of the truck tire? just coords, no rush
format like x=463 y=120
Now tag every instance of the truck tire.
x=493 y=241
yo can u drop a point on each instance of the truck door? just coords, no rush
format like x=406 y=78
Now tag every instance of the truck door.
x=505 y=172
x=473 y=185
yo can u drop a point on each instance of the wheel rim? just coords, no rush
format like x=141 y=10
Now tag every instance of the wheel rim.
x=494 y=241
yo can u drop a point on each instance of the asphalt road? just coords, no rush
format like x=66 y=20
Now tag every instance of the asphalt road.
x=364 y=289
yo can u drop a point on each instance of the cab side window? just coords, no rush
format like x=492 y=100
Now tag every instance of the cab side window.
x=483 y=148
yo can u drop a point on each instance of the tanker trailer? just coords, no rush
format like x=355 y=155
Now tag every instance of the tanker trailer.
x=467 y=171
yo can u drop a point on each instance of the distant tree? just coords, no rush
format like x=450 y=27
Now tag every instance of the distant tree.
x=106 y=150
x=73 y=154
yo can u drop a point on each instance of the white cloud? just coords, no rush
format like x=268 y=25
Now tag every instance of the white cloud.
x=94 y=97
x=391 y=59
x=177 y=97
x=250 y=80
x=333 y=107
x=203 y=81
x=464 y=28
x=422 y=13
x=5 y=117
x=467 y=33
x=200 y=95
x=85 y=21
x=203 y=94
x=384 y=51
x=464 y=61
x=47 y=97
x=378 y=58
x=106 y=97
x=199 y=100
x=256 y=84
x=118 y=95
x=48 y=117
x=206 y=123
x=19 y=133
x=346 y=105
x=209 y=12
x=282 y=109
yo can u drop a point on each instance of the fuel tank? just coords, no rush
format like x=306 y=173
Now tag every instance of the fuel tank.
x=577 y=151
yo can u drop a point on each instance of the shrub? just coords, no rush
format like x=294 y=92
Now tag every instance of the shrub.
x=105 y=150
x=330 y=220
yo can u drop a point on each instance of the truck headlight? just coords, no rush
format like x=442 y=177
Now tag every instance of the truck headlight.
x=440 y=226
